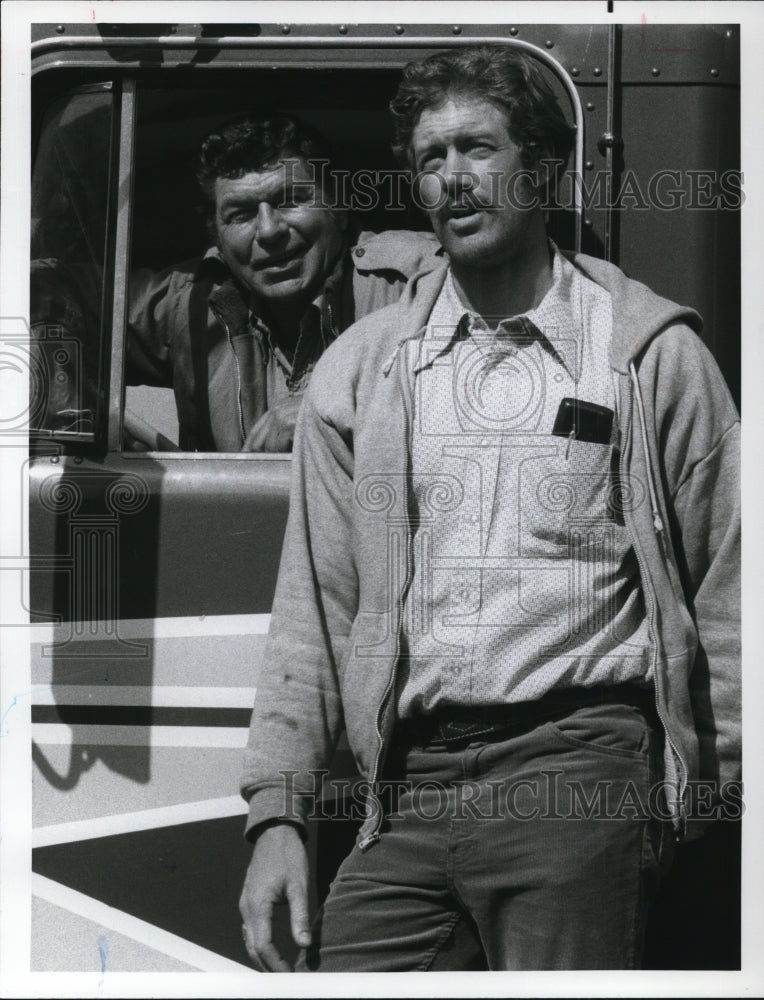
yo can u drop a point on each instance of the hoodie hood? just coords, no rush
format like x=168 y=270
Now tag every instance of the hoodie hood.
x=638 y=313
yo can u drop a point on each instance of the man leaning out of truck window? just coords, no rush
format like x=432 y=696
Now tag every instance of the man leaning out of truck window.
x=237 y=333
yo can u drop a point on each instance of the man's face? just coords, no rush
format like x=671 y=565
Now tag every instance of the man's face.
x=274 y=234
x=468 y=136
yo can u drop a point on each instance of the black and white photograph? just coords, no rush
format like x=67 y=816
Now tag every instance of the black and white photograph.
x=373 y=471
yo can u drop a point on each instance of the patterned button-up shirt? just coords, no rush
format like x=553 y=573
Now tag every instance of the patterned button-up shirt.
x=524 y=578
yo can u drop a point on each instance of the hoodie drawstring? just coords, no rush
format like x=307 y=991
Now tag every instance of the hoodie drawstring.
x=657 y=520
x=387 y=366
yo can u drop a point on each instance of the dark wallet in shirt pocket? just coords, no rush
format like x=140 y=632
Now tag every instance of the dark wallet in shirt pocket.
x=584 y=421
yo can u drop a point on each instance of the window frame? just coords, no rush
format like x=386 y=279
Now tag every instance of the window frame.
x=97 y=438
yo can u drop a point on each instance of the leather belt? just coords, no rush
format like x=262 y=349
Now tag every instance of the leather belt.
x=452 y=723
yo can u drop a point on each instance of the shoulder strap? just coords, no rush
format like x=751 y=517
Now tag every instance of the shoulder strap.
x=201 y=435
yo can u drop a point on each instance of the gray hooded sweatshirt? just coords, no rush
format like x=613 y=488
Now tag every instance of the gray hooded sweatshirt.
x=333 y=645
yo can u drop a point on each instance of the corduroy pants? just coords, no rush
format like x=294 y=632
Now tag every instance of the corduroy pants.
x=539 y=849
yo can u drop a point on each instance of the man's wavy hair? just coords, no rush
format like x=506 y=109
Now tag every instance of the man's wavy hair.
x=500 y=74
x=255 y=143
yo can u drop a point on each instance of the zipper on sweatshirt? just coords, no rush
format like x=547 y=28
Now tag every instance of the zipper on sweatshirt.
x=373 y=836
x=238 y=374
x=650 y=605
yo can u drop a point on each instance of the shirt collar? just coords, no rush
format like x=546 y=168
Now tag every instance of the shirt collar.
x=212 y=253
x=212 y=265
x=555 y=322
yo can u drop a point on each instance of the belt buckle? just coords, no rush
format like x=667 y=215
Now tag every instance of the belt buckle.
x=456 y=729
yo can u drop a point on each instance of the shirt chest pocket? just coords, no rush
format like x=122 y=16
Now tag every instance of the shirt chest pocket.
x=572 y=493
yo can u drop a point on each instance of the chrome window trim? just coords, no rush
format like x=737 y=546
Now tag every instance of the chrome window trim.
x=124 y=213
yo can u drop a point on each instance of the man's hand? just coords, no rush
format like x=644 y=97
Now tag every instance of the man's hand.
x=277 y=872
x=274 y=431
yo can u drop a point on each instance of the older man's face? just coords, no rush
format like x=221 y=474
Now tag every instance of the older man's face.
x=274 y=234
x=474 y=185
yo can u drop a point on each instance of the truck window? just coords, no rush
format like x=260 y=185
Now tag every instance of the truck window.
x=70 y=185
x=171 y=234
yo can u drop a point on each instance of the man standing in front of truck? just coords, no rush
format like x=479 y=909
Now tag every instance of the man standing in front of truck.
x=511 y=572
